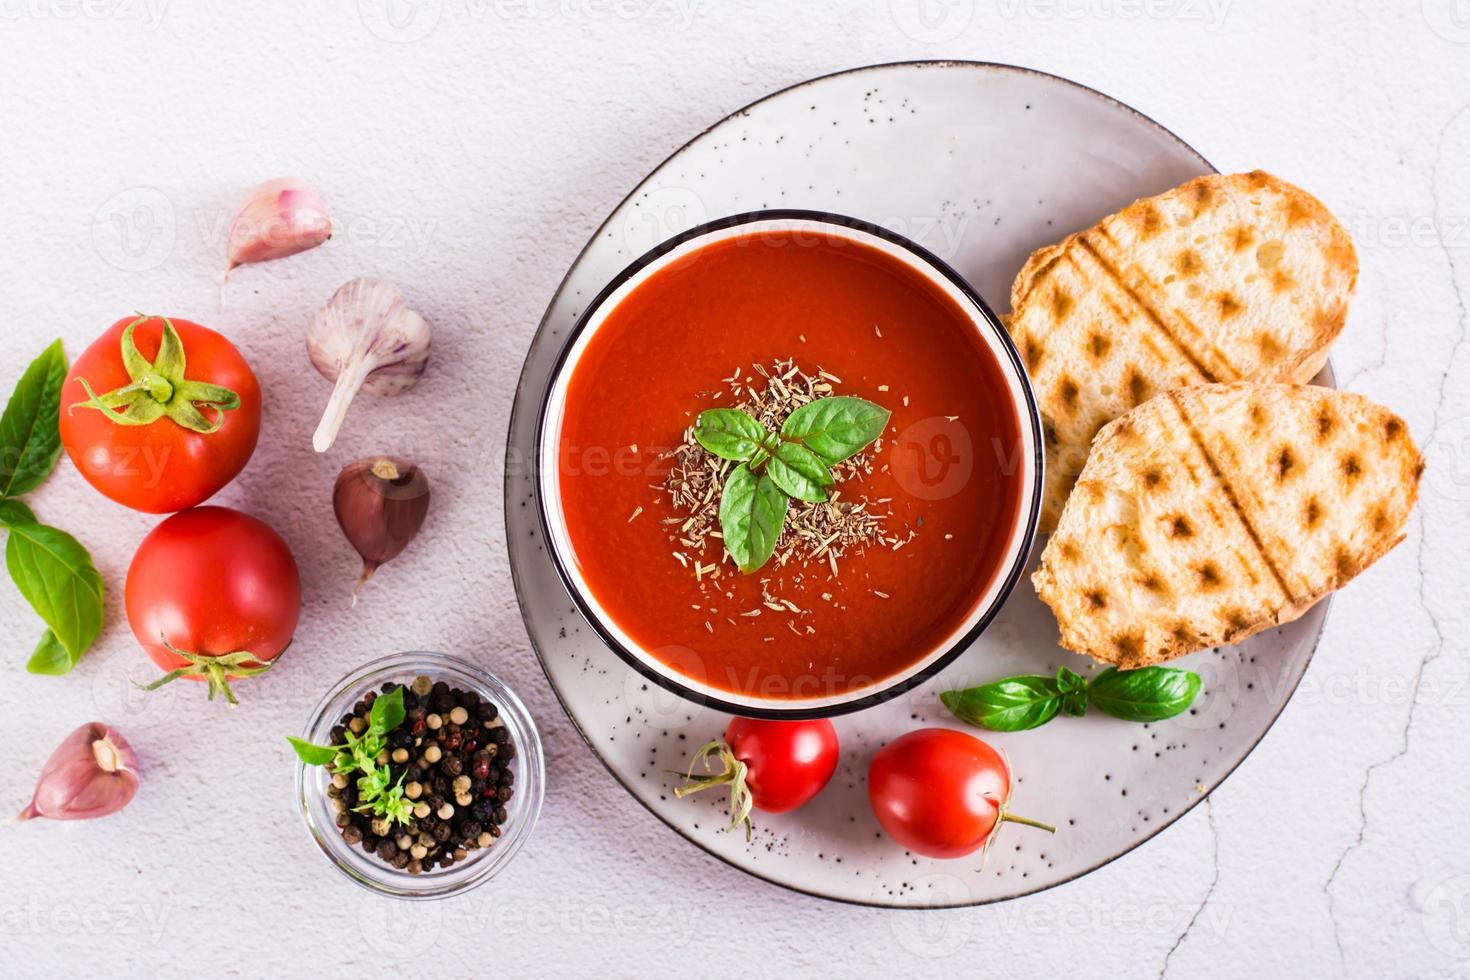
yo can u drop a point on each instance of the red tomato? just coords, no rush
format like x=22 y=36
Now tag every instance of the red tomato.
x=774 y=766
x=213 y=595
x=171 y=437
x=940 y=792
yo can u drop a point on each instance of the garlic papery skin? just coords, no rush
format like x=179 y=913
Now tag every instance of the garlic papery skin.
x=366 y=339
x=92 y=774
x=280 y=217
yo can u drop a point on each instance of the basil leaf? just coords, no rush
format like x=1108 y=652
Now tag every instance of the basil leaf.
x=1146 y=694
x=312 y=755
x=49 y=657
x=800 y=472
x=57 y=577
x=729 y=433
x=387 y=712
x=1010 y=705
x=752 y=510
x=13 y=512
x=29 y=440
x=836 y=428
x=1069 y=681
x=1074 y=703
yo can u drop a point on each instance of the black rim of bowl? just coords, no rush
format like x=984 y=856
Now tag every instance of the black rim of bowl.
x=957 y=646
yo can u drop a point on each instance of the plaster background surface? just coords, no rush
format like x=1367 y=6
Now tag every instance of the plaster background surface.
x=468 y=148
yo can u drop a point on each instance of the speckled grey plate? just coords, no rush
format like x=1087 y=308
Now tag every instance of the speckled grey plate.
x=981 y=164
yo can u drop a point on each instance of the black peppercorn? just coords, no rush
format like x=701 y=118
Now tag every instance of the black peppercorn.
x=499 y=736
x=352 y=834
x=452 y=764
x=469 y=830
x=507 y=777
x=481 y=768
x=387 y=850
x=485 y=711
x=504 y=793
x=499 y=815
x=442 y=832
x=507 y=752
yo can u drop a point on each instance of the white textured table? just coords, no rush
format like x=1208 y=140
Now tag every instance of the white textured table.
x=468 y=149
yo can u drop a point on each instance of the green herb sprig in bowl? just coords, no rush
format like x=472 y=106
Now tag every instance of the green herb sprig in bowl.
x=1015 y=704
x=378 y=793
x=775 y=467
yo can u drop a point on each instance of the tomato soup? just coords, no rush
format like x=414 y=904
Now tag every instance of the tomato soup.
x=947 y=473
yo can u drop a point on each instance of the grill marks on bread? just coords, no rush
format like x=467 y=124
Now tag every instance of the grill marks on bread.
x=1194 y=533
x=1224 y=278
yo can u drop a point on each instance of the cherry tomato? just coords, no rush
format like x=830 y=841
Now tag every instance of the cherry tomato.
x=940 y=792
x=213 y=595
x=773 y=766
x=159 y=414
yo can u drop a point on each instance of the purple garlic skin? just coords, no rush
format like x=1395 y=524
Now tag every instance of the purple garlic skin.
x=280 y=217
x=92 y=774
x=380 y=502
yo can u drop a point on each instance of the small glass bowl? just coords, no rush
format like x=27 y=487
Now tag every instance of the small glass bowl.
x=521 y=812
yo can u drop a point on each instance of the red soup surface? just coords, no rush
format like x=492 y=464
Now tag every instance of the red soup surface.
x=948 y=469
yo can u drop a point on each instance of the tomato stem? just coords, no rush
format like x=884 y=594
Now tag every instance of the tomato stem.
x=217 y=671
x=159 y=388
x=1007 y=817
x=732 y=773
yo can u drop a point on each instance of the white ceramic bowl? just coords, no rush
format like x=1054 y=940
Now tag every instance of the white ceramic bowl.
x=946 y=281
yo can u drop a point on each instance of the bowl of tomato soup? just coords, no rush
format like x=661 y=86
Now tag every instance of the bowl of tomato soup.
x=893 y=559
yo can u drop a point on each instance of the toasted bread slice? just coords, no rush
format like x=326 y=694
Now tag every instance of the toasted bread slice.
x=1226 y=278
x=1213 y=512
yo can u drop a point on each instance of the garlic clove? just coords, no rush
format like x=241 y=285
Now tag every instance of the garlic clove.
x=366 y=339
x=93 y=773
x=380 y=503
x=280 y=217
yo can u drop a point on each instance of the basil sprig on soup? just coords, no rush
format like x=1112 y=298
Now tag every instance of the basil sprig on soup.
x=775 y=467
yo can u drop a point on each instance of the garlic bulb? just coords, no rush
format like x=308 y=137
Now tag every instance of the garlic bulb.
x=91 y=774
x=280 y=217
x=365 y=338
